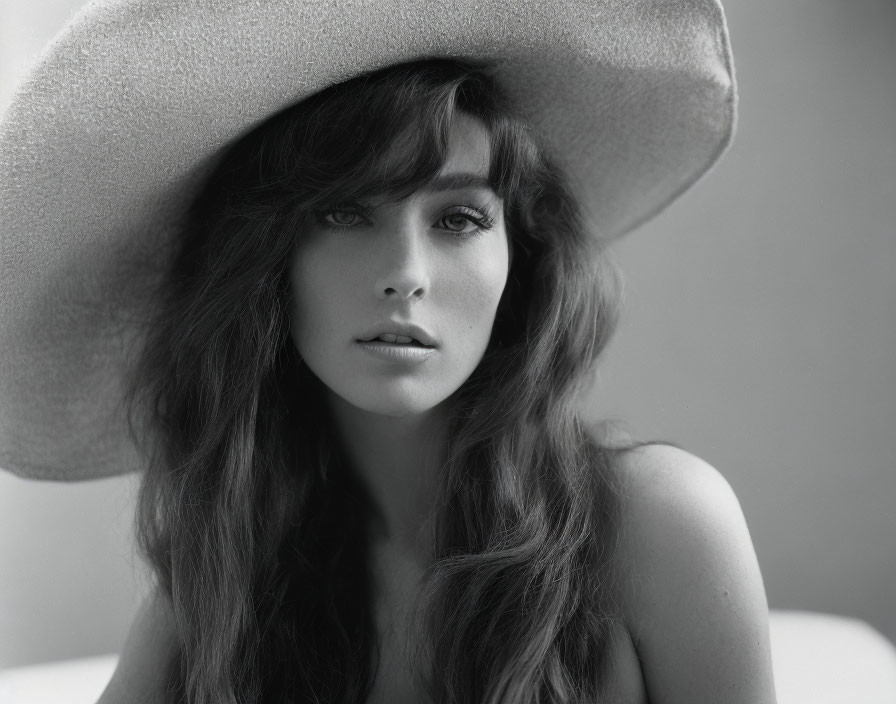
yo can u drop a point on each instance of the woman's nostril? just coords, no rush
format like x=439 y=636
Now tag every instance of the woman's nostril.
x=418 y=292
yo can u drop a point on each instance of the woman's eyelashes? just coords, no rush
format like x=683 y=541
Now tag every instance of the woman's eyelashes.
x=342 y=218
x=459 y=220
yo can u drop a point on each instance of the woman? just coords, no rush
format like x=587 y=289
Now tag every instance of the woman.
x=365 y=476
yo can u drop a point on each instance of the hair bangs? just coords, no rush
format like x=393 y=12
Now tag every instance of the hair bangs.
x=380 y=135
x=385 y=135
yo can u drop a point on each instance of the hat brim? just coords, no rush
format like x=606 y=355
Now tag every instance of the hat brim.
x=109 y=137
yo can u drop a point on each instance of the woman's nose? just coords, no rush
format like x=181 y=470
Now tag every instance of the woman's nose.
x=404 y=272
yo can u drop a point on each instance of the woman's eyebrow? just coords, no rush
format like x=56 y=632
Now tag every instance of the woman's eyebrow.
x=458 y=181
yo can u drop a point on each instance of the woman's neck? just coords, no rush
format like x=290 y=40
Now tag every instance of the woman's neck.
x=397 y=459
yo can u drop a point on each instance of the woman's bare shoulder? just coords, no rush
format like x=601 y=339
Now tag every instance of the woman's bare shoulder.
x=689 y=584
x=675 y=510
x=655 y=475
x=647 y=473
x=139 y=676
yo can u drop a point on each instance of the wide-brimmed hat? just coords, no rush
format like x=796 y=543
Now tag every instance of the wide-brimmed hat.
x=109 y=137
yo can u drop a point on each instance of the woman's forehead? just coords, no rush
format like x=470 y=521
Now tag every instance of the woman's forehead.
x=465 y=165
x=469 y=147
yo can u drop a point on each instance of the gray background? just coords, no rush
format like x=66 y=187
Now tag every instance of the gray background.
x=759 y=334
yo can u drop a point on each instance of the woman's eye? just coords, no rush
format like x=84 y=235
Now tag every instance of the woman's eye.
x=343 y=218
x=463 y=223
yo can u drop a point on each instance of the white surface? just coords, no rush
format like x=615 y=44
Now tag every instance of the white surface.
x=824 y=659
x=818 y=659
x=67 y=682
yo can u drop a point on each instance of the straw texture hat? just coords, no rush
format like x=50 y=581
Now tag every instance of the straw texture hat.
x=110 y=136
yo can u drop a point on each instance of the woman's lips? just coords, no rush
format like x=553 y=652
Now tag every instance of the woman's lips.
x=391 y=329
x=397 y=352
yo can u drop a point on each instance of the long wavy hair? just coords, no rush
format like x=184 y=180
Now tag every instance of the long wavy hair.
x=253 y=522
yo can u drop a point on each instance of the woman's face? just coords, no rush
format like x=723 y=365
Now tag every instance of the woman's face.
x=437 y=260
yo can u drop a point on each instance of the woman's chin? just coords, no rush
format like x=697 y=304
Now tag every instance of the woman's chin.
x=394 y=401
x=398 y=406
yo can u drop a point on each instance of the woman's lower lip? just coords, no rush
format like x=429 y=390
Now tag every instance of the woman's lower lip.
x=396 y=352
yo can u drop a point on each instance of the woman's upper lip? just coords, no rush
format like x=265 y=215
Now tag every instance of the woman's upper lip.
x=407 y=329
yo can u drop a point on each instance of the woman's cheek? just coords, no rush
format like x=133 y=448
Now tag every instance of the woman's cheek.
x=490 y=275
x=479 y=286
x=314 y=308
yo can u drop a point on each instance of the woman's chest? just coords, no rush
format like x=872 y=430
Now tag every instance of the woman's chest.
x=397 y=584
x=394 y=683
x=623 y=683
